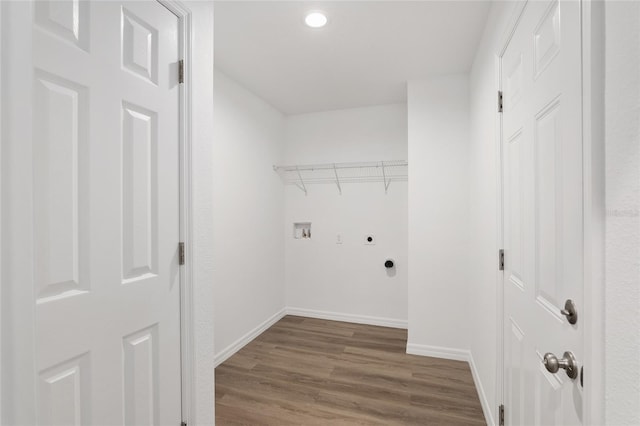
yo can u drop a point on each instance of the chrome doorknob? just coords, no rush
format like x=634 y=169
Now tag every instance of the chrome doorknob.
x=567 y=363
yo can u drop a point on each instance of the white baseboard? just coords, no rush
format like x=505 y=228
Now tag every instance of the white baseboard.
x=457 y=355
x=358 y=319
x=486 y=408
x=438 y=352
x=227 y=352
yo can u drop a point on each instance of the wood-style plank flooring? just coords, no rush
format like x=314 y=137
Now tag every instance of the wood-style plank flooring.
x=305 y=371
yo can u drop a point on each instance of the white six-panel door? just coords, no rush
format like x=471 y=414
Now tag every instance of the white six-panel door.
x=92 y=160
x=542 y=214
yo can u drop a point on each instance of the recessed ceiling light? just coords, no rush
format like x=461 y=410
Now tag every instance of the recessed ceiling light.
x=315 y=19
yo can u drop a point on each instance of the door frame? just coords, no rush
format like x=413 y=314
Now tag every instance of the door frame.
x=594 y=207
x=2 y=62
x=187 y=352
x=513 y=22
x=186 y=231
x=593 y=172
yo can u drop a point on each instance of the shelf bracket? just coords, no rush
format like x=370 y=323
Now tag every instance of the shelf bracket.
x=335 y=172
x=384 y=178
x=301 y=186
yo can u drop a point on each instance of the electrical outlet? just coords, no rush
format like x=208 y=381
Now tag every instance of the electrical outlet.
x=369 y=240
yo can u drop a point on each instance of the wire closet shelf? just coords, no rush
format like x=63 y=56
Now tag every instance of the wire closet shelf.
x=341 y=173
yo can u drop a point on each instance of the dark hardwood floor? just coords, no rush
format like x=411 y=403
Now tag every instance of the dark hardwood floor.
x=305 y=371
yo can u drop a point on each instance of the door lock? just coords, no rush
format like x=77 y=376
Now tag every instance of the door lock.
x=570 y=311
x=567 y=363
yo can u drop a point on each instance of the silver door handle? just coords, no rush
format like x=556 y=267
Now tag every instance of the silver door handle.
x=567 y=363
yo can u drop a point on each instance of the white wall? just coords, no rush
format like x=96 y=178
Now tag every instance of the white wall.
x=347 y=135
x=248 y=249
x=348 y=279
x=484 y=208
x=622 y=118
x=438 y=116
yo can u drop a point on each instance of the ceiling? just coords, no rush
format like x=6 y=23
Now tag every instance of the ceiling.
x=363 y=56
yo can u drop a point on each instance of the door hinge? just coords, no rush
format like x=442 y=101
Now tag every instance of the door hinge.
x=181 y=71
x=501 y=260
x=501 y=415
x=181 y=253
x=500 y=105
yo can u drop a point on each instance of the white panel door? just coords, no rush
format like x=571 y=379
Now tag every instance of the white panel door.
x=93 y=166
x=542 y=213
